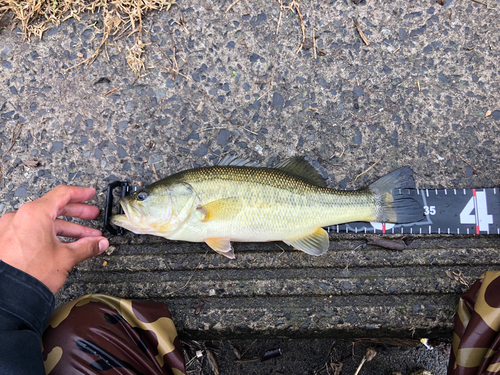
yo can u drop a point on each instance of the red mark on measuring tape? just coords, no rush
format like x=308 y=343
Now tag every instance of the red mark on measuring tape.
x=475 y=210
x=383 y=227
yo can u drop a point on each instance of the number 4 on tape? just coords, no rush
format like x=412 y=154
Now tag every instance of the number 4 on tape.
x=476 y=212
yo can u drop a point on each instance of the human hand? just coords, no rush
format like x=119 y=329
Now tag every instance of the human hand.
x=28 y=236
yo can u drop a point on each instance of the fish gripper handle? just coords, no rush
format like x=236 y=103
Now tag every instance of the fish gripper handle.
x=124 y=190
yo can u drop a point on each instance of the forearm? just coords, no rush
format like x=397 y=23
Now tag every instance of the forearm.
x=25 y=308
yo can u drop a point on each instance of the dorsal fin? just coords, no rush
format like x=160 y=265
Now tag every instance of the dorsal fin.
x=298 y=166
x=234 y=161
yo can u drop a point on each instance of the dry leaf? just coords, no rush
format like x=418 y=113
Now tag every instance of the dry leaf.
x=213 y=363
x=488 y=113
x=110 y=250
x=31 y=163
x=336 y=367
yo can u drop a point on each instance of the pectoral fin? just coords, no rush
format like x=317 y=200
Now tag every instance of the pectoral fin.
x=222 y=209
x=221 y=245
x=315 y=243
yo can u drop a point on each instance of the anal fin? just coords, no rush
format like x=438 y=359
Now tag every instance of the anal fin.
x=315 y=243
x=221 y=245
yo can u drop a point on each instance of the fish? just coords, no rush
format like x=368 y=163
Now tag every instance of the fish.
x=239 y=201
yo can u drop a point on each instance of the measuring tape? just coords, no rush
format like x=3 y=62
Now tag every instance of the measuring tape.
x=447 y=211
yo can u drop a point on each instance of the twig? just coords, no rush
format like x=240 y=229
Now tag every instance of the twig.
x=342 y=153
x=250 y=131
x=112 y=90
x=260 y=97
x=466 y=162
x=361 y=33
x=212 y=128
x=281 y=15
x=480 y=2
x=187 y=282
x=363 y=120
x=249 y=346
x=370 y=353
x=230 y=6
x=366 y=170
x=154 y=169
x=296 y=5
x=314 y=45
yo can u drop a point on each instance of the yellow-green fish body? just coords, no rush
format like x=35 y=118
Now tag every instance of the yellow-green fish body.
x=237 y=202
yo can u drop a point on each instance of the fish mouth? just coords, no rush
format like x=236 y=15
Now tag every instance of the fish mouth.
x=124 y=220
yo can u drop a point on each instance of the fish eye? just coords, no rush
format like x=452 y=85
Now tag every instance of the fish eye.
x=141 y=196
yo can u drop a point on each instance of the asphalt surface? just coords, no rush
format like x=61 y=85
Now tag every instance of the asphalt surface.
x=424 y=93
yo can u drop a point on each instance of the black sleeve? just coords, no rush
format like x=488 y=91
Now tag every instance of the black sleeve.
x=25 y=308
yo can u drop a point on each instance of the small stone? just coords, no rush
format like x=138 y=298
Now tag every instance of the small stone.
x=21 y=192
x=223 y=137
x=169 y=83
x=122 y=124
x=419 y=31
x=403 y=34
x=322 y=82
x=56 y=146
x=358 y=137
x=6 y=50
x=7 y=64
x=443 y=78
x=358 y=91
x=278 y=101
x=122 y=153
x=496 y=115
x=254 y=57
x=202 y=151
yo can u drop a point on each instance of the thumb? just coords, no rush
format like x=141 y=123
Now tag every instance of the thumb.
x=87 y=247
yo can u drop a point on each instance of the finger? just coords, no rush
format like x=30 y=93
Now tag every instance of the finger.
x=56 y=199
x=7 y=218
x=73 y=230
x=86 y=248
x=80 y=210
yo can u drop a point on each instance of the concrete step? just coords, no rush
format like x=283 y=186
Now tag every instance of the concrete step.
x=270 y=290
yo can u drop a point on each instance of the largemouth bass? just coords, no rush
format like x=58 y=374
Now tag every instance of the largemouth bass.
x=237 y=201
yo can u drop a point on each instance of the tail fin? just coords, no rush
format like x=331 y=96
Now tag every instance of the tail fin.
x=394 y=206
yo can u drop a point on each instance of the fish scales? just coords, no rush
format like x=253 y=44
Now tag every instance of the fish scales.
x=274 y=202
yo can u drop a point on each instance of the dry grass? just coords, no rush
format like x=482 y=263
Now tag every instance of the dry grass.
x=119 y=17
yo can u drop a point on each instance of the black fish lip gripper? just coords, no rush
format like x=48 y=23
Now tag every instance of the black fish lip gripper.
x=124 y=190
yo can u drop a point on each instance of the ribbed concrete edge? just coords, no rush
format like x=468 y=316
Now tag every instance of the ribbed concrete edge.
x=270 y=290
